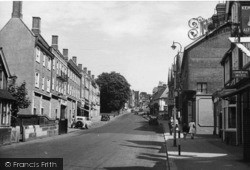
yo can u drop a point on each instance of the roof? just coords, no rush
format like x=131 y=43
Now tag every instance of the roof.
x=159 y=93
x=4 y=62
x=4 y=94
x=74 y=67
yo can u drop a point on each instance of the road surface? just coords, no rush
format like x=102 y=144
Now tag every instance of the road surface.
x=124 y=144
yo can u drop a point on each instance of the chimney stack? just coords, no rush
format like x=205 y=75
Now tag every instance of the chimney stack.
x=89 y=72
x=36 y=25
x=55 y=41
x=85 y=69
x=65 y=54
x=17 y=9
x=80 y=66
x=74 y=58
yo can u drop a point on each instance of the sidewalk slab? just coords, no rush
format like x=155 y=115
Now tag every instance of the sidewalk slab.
x=203 y=152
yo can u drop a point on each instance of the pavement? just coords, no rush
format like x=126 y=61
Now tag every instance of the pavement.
x=201 y=153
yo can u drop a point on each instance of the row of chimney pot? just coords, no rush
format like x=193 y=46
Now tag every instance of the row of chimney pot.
x=36 y=29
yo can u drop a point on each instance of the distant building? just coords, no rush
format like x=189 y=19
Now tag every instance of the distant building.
x=137 y=98
x=158 y=103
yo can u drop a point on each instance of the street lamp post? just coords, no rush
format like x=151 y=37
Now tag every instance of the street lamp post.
x=175 y=89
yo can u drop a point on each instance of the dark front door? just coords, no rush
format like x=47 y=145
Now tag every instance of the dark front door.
x=63 y=122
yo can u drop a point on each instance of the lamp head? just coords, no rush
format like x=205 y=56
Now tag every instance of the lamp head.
x=173 y=46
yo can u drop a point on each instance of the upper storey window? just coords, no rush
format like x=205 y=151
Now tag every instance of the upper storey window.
x=38 y=54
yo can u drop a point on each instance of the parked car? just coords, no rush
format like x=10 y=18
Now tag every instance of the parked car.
x=105 y=118
x=82 y=122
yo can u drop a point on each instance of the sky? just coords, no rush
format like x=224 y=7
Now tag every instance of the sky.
x=132 y=38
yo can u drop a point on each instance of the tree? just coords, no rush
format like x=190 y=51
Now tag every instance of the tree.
x=114 y=91
x=22 y=101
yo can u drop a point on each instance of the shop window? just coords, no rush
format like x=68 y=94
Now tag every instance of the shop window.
x=230 y=113
x=232 y=117
x=202 y=87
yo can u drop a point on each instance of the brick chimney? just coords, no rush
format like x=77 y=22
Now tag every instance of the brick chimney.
x=17 y=9
x=80 y=66
x=221 y=8
x=74 y=58
x=55 y=42
x=36 y=25
x=85 y=70
x=65 y=54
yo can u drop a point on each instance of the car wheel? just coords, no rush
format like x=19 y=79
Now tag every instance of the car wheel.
x=79 y=124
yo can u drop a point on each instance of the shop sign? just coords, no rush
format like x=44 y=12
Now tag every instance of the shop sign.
x=245 y=16
x=240 y=74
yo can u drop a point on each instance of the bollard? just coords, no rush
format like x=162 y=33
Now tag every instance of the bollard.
x=179 y=149
x=179 y=146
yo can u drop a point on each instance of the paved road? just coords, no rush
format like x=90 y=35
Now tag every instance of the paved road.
x=126 y=143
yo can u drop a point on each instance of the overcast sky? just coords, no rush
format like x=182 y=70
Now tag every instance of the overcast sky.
x=128 y=37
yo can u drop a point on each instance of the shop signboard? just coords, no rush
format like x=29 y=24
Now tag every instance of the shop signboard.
x=245 y=22
x=240 y=74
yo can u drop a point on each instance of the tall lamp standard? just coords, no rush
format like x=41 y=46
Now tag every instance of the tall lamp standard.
x=175 y=89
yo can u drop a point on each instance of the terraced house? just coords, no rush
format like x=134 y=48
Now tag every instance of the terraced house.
x=29 y=58
x=59 y=80
x=53 y=81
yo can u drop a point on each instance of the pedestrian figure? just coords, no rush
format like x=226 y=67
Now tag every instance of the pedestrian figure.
x=185 y=130
x=192 y=129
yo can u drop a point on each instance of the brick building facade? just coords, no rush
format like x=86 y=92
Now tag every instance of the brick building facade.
x=53 y=82
x=201 y=75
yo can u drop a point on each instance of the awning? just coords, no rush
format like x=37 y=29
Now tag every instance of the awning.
x=234 y=91
x=224 y=93
x=4 y=94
